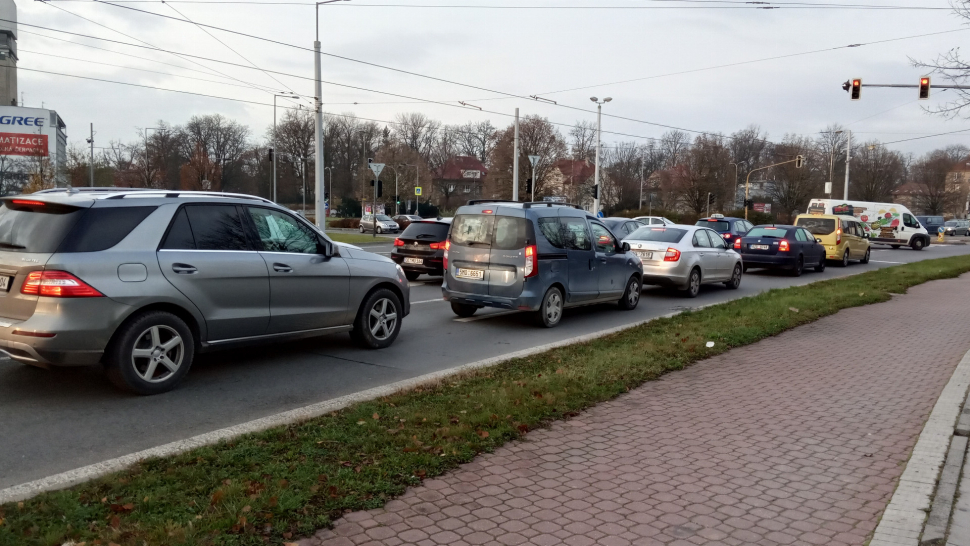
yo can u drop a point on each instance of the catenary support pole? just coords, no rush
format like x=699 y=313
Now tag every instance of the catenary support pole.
x=515 y=160
x=318 y=179
x=91 y=166
x=848 y=160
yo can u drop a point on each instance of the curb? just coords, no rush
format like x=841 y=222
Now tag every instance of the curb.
x=902 y=521
x=936 y=525
x=73 y=477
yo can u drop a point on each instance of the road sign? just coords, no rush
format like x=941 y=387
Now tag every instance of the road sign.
x=417 y=190
x=533 y=159
x=377 y=168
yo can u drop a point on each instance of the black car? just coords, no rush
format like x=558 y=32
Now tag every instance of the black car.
x=421 y=248
x=781 y=247
x=622 y=227
x=731 y=229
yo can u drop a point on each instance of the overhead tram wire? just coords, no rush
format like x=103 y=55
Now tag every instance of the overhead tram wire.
x=434 y=78
x=181 y=56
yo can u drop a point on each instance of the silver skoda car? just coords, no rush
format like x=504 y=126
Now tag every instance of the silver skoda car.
x=685 y=257
x=142 y=281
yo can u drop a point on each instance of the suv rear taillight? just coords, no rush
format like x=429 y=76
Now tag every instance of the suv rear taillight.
x=737 y=244
x=531 y=267
x=444 y=263
x=672 y=255
x=783 y=246
x=57 y=284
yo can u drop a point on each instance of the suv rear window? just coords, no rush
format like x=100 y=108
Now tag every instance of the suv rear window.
x=658 y=234
x=102 y=228
x=498 y=232
x=36 y=228
x=817 y=226
x=431 y=231
x=716 y=225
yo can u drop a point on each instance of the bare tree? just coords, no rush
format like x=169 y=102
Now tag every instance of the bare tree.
x=748 y=150
x=935 y=194
x=539 y=137
x=877 y=171
x=674 y=144
x=703 y=170
x=793 y=186
x=418 y=131
x=222 y=140
x=477 y=139
x=295 y=144
x=831 y=147
x=582 y=144
x=953 y=68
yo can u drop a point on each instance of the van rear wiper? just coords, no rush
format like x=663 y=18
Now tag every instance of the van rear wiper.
x=11 y=245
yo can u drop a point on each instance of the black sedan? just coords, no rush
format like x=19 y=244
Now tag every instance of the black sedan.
x=781 y=247
x=421 y=247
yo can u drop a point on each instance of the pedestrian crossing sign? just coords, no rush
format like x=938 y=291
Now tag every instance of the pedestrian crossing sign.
x=417 y=190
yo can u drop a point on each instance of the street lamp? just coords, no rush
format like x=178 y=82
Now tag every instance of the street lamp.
x=275 y=150
x=318 y=121
x=534 y=159
x=148 y=171
x=599 y=134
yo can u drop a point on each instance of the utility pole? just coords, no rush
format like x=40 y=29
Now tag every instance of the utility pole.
x=640 y=204
x=515 y=160
x=708 y=204
x=534 y=159
x=599 y=135
x=848 y=160
x=275 y=146
x=318 y=178
x=91 y=166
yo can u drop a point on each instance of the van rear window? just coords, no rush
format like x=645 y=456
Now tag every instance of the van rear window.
x=817 y=226
x=481 y=230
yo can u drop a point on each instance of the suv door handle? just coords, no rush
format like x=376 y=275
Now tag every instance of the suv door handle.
x=184 y=269
x=282 y=268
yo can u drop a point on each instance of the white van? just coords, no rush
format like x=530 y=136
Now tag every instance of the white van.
x=885 y=223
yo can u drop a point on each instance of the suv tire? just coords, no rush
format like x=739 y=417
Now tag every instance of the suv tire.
x=918 y=243
x=735 y=281
x=411 y=275
x=464 y=310
x=378 y=320
x=631 y=296
x=693 y=283
x=150 y=354
x=550 y=310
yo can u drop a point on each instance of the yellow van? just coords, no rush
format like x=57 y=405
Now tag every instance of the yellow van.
x=844 y=237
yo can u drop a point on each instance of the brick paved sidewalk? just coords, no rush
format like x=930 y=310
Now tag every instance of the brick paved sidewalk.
x=798 y=439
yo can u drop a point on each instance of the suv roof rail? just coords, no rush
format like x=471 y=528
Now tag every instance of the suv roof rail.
x=180 y=193
x=97 y=189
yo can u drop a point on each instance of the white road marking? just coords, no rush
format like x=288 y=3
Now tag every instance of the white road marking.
x=483 y=317
x=878 y=262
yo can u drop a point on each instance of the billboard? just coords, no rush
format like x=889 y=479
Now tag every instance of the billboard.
x=29 y=131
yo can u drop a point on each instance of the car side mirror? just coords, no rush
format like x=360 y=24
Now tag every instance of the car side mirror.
x=867 y=236
x=326 y=248
x=625 y=247
x=817 y=240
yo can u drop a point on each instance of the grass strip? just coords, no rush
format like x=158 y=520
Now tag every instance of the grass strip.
x=356 y=238
x=284 y=483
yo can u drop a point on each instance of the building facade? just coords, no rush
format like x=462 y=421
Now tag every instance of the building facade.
x=8 y=53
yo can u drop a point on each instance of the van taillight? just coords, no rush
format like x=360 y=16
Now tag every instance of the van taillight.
x=783 y=246
x=531 y=268
x=57 y=284
x=447 y=245
x=672 y=255
x=838 y=236
x=737 y=244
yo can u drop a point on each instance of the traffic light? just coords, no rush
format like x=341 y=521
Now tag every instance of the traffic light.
x=397 y=199
x=799 y=161
x=528 y=186
x=270 y=156
x=596 y=192
x=380 y=187
x=924 y=88
x=710 y=198
x=856 y=90
x=748 y=203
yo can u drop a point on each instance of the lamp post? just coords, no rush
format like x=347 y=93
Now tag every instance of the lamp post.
x=534 y=159
x=318 y=122
x=416 y=172
x=396 y=208
x=641 y=181
x=735 y=181
x=599 y=134
x=148 y=171
x=275 y=150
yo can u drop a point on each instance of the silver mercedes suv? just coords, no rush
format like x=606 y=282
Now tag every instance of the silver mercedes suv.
x=142 y=281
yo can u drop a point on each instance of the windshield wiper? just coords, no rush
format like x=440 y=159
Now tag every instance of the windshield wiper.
x=11 y=245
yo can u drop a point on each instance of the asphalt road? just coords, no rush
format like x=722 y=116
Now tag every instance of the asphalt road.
x=53 y=421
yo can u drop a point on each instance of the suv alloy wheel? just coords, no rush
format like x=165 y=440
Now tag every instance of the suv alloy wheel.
x=150 y=354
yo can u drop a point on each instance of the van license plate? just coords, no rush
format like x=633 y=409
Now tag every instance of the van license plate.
x=5 y=283
x=644 y=255
x=758 y=247
x=462 y=273
x=415 y=261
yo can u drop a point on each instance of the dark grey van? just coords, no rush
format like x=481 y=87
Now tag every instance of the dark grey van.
x=540 y=257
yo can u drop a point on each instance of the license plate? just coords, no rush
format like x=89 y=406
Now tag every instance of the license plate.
x=759 y=247
x=462 y=273
x=645 y=255
x=416 y=261
x=5 y=283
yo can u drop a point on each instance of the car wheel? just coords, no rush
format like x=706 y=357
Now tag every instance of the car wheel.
x=918 y=244
x=550 y=311
x=380 y=229
x=865 y=259
x=412 y=275
x=845 y=259
x=464 y=310
x=799 y=267
x=631 y=296
x=361 y=228
x=821 y=265
x=150 y=354
x=378 y=320
x=895 y=246
x=735 y=281
x=693 y=283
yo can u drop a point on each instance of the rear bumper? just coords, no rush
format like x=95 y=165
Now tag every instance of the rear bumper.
x=431 y=265
x=82 y=328
x=528 y=301
x=770 y=262
x=674 y=274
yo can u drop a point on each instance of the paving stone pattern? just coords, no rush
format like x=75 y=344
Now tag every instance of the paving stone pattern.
x=798 y=439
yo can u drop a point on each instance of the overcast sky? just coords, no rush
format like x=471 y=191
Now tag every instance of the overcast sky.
x=517 y=51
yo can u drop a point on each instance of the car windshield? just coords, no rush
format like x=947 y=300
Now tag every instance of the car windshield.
x=384 y=218
x=768 y=232
x=658 y=234
x=818 y=226
x=716 y=225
